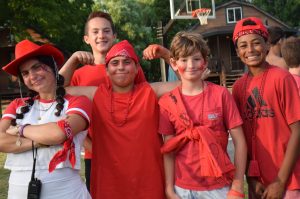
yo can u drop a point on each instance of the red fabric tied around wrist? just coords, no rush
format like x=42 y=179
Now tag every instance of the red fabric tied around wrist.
x=69 y=145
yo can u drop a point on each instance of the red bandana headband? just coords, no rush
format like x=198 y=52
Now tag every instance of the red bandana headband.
x=247 y=32
x=123 y=48
x=240 y=29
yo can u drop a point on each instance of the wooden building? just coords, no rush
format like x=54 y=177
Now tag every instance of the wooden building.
x=226 y=67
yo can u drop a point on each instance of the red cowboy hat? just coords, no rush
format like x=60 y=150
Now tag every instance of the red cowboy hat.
x=27 y=49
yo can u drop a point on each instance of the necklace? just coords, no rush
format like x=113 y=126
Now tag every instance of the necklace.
x=112 y=109
x=261 y=93
x=253 y=169
x=42 y=108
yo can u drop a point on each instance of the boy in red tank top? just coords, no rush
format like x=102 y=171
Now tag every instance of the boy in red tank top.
x=195 y=119
x=268 y=100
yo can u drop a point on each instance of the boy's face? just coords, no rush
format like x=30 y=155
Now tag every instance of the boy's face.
x=100 y=35
x=252 y=50
x=122 y=71
x=191 y=67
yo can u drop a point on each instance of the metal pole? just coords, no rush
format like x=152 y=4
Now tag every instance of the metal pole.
x=160 y=37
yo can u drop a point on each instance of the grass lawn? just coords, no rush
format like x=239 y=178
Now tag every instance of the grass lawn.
x=4 y=173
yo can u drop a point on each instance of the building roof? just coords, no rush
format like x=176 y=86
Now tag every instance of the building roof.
x=228 y=28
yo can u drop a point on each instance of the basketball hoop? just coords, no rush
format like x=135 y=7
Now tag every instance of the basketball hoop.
x=202 y=14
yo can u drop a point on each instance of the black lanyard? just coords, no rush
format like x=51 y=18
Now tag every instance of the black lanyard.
x=34 y=154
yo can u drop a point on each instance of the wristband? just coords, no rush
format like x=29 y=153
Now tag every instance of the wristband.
x=233 y=192
x=21 y=130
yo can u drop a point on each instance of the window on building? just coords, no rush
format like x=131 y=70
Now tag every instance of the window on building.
x=233 y=14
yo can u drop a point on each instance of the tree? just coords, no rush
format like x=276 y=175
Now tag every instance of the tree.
x=285 y=10
x=134 y=21
x=59 y=21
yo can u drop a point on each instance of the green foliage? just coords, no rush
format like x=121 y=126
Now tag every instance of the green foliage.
x=285 y=10
x=59 y=21
x=62 y=21
x=134 y=21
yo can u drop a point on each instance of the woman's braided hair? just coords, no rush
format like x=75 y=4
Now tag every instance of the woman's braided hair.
x=60 y=90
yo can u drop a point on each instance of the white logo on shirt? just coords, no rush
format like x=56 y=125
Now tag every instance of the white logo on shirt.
x=212 y=116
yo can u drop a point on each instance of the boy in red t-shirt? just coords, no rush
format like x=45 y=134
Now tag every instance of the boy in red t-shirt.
x=99 y=33
x=268 y=100
x=195 y=119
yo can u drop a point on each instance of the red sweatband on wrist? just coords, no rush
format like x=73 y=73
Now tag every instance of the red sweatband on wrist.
x=21 y=129
x=65 y=127
x=235 y=193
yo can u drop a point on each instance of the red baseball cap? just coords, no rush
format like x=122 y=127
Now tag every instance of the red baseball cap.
x=241 y=29
x=123 y=48
x=26 y=49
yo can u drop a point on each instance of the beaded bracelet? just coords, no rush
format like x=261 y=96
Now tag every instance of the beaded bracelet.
x=21 y=130
x=233 y=192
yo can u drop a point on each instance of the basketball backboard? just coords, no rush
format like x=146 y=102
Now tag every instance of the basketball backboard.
x=182 y=9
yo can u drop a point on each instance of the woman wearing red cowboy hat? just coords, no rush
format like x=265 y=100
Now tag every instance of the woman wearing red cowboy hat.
x=42 y=134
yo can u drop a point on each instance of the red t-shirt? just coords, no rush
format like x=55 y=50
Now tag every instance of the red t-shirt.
x=90 y=75
x=218 y=112
x=79 y=105
x=127 y=162
x=297 y=79
x=280 y=107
